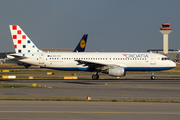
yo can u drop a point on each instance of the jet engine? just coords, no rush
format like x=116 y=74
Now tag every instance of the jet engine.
x=116 y=71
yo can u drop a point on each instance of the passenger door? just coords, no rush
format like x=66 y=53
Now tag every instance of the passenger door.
x=153 y=60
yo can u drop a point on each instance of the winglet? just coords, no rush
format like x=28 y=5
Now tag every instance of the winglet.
x=82 y=44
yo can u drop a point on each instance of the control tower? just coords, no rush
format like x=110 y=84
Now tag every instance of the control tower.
x=165 y=30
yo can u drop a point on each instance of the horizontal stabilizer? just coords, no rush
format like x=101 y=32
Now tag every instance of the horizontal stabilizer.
x=15 y=57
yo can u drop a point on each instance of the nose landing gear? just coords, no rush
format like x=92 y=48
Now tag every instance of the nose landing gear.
x=152 y=75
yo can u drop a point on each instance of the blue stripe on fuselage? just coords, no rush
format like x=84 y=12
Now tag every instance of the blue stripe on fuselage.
x=147 y=68
x=71 y=68
x=126 y=68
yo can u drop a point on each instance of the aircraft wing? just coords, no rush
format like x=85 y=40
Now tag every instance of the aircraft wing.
x=91 y=64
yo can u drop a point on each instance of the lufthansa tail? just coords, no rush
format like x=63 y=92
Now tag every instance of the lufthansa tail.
x=22 y=43
x=82 y=44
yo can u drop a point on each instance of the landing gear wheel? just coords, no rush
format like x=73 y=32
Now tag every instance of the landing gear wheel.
x=152 y=77
x=95 y=76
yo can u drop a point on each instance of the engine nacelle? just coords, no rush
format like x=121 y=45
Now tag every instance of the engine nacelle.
x=117 y=71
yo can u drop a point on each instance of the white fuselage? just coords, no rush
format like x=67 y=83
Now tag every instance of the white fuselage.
x=130 y=61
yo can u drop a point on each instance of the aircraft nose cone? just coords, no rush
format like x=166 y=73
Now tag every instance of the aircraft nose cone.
x=173 y=64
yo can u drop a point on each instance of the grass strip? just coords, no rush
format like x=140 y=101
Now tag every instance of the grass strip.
x=95 y=100
x=13 y=86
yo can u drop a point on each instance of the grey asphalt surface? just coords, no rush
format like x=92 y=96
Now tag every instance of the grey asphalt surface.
x=163 y=89
x=97 y=89
x=66 y=110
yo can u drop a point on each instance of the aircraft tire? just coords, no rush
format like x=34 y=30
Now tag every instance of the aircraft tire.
x=95 y=76
x=152 y=77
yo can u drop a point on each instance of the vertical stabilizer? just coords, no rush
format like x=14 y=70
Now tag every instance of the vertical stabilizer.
x=22 y=43
x=82 y=44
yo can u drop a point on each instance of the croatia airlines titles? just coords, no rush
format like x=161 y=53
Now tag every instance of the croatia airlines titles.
x=136 y=55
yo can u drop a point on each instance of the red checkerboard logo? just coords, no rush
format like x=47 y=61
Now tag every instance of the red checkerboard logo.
x=14 y=36
x=19 y=41
x=14 y=27
x=23 y=36
x=19 y=32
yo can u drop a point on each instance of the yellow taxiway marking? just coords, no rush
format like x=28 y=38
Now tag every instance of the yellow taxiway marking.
x=77 y=112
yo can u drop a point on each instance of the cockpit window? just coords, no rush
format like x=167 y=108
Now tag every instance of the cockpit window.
x=165 y=58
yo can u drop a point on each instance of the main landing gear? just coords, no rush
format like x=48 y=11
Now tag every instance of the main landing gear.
x=95 y=76
x=152 y=75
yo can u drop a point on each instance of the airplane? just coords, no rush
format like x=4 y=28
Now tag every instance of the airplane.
x=79 y=48
x=112 y=63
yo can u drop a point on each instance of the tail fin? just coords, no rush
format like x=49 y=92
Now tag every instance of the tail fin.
x=82 y=44
x=22 y=43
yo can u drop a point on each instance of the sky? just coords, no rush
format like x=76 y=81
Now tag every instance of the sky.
x=111 y=25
